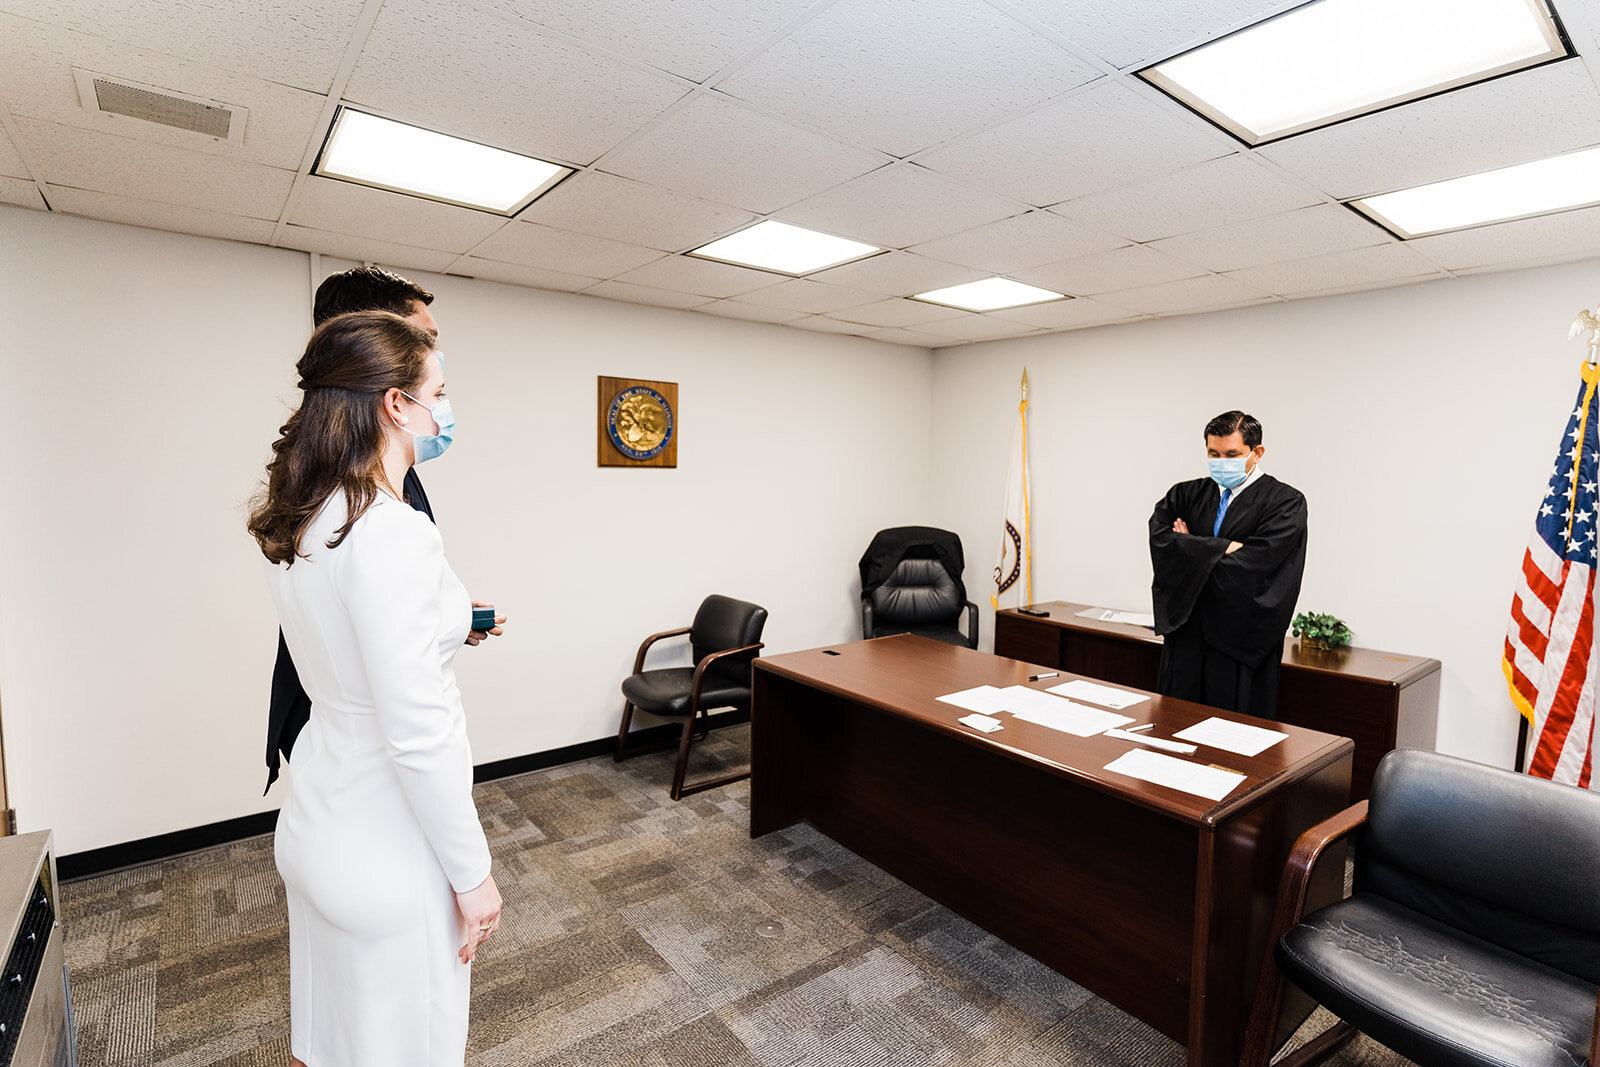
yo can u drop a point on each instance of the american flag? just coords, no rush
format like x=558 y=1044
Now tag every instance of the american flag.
x=1550 y=649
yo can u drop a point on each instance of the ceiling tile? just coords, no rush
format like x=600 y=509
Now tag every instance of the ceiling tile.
x=11 y=164
x=21 y=192
x=686 y=274
x=732 y=309
x=1210 y=291
x=901 y=77
x=728 y=153
x=1275 y=238
x=1129 y=33
x=288 y=41
x=898 y=274
x=36 y=64
x=1336 y=270
x=823 y=324
x=1122 y=268
x=1221 y=191
x=345 y=207
x=803 y=294
x=898 y=206
x=1069 y=314
x=160 y=216
x=1017 y=242
x=514 y=274
x=644 y=294
x=1570 y=232
x=898 y=312
x=533 y=245
x=364 y=249
x=978 y=328
x=692 y=38
x=624 y=210
x=100 y=162
x=1537 y=113
x=1044 y=157
x=498 y=79
x=910 y=337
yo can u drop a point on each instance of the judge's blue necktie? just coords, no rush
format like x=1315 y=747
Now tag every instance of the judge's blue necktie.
x=1222 y=509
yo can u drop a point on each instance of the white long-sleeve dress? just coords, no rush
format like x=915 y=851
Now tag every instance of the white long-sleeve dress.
x=378 y=826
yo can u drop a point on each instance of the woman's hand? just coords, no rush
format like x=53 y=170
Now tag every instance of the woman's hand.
x=480 y=916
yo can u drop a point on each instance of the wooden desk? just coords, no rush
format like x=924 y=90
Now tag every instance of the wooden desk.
x=1380 y=700
x=1154 y=899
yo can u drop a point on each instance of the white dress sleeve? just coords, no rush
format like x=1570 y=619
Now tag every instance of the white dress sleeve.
x=390 y=583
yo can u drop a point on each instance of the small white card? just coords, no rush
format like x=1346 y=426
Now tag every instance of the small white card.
x=984 y=698
x=1232 y=736
x=1202 y=781
x=981 y=723
x=1094 y=693
x=1058 y=714
x=1132 y=618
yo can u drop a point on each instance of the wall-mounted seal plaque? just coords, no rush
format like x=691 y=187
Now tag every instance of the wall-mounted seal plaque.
x=638 y=423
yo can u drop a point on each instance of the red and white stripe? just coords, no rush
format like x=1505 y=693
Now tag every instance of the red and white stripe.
x=1550 y=662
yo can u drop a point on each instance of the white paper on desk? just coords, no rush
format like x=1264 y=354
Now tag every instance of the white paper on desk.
x=1098 y=694
x=1232 y=736
x=1132 y=618
x=981 y=723
x=1058 y=714
x=983 y=698
x=1212 y=783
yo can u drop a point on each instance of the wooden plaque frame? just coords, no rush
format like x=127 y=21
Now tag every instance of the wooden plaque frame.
x=608 y=454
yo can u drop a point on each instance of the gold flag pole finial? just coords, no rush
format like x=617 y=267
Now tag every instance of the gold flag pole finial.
x=1024 y=385
x=1588 y=320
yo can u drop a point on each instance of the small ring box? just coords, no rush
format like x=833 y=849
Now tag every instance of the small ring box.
x=483 y=618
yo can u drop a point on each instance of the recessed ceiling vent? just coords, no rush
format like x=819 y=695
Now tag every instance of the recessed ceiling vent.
x=118 y=96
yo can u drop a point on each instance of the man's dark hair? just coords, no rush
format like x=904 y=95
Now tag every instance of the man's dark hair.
x=1231 y=422
x=366 y=289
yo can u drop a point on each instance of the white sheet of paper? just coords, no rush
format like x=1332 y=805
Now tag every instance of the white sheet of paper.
x=1058 y=714
x=981 y=723
x=982 y=698
x=1133 y=618
x=1095 y=693
x=1232 y=736
x=1153 y=742
x=1202 y=781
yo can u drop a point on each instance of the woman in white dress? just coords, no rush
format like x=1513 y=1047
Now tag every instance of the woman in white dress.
x=384 y=862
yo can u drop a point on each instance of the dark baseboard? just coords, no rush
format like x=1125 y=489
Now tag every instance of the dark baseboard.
x=97 y=861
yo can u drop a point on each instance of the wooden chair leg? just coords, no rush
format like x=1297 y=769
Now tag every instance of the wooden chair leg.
x=683 y=758
x=1320 y=1046
x=622 y=734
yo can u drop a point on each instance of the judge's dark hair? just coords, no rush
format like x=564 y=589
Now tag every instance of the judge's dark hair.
x=366 y=289
x=334 y=440
x=1231 y=422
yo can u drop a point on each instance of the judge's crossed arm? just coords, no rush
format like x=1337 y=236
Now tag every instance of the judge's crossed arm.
x=1179 y=526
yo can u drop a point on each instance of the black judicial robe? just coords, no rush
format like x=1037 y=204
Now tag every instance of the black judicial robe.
x=290 y=707
x=1223 y=616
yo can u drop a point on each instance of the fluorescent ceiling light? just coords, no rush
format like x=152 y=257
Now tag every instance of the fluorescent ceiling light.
x=1541 y=187
x=778 y=246
x=390 y=155
x=990 y=294
x=1334 y=59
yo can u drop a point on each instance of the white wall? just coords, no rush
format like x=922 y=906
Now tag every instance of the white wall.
x=1419 y=421
x=145 y=375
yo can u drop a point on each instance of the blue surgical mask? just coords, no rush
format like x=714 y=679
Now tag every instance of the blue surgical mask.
x=1228 y=471
x=432 y=445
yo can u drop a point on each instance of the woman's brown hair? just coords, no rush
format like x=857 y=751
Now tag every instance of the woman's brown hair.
x=335 y=439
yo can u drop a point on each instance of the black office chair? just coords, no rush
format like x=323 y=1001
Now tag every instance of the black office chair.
x=725 y=639
x=911 y=584
x=1472 y=938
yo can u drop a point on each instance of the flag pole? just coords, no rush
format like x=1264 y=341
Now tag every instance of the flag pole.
x=1027 y=502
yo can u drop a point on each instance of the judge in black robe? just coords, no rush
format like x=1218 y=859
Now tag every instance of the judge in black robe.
x=1223 y=602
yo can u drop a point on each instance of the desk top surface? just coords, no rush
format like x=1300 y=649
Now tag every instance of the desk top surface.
x=903 y=676
x=1366 y=663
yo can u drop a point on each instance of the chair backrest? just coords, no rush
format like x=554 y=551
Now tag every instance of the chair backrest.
x=723 y=623
x=889 y=547
x=1511 y=859
x=920 y=592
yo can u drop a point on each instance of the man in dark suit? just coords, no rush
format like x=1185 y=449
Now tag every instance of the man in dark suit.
x=357 y=289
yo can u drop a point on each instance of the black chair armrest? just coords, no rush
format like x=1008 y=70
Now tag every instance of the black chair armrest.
x=1297 y=872
x=972 y=624
x=700 y=670
x=638 y=661
x=866 y=616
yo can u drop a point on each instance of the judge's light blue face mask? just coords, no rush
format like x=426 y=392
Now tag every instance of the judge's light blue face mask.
x=1228 y=471
x=432 y=445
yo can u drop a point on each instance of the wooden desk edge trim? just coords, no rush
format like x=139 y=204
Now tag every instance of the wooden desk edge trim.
x=1308 y=766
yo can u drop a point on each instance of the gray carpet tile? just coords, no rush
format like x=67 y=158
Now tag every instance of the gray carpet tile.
x=630 y=939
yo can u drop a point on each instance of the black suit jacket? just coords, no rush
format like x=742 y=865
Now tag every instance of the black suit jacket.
x=290 y=709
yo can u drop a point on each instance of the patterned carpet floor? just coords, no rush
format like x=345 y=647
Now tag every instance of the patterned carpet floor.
x=630 y=939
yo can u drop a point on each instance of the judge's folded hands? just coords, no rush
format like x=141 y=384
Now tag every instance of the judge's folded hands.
x=480 y=916
x=1179 y=526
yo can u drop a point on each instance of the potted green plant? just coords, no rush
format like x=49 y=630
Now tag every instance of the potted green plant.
x=1322 y=632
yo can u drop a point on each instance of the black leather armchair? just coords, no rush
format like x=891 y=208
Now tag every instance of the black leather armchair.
x=911 y=584
x=725 y=639
x=1472 y=937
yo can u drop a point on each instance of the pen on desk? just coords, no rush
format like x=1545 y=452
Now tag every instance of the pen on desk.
x=1136 y=729
x=1046 y=674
